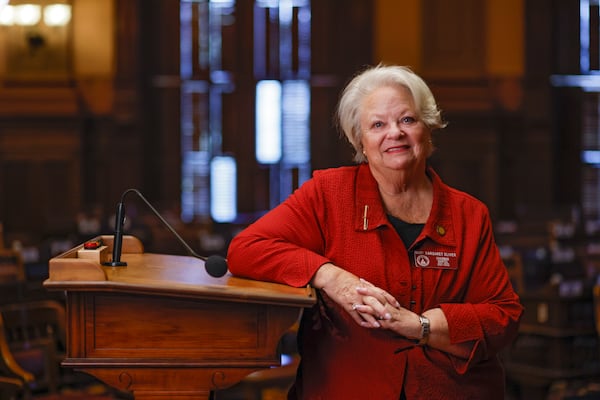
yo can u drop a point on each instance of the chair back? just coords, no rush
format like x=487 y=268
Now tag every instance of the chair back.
x=14 y=380
x=12 y=268
x=36 y=335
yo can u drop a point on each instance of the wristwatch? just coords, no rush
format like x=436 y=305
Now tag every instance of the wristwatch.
x=425 y=330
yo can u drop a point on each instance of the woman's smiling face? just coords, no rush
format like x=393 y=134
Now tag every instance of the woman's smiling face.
x=393 y=137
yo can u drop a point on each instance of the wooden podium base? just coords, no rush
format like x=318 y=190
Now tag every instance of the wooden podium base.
x=162 y=328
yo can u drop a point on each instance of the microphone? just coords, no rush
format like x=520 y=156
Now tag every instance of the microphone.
x=118 y=240
x=215 y=265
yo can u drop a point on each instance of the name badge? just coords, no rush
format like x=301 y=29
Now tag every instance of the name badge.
x=442 y=259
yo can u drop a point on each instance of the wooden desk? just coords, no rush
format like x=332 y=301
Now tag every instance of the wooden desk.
x=162 y=328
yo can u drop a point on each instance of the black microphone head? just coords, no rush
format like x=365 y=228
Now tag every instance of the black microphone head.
x=216 y=266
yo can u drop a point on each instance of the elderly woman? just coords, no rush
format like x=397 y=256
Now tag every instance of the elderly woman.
x=414 y=301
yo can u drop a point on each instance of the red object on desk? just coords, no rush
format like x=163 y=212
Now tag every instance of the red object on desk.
x=92 y=244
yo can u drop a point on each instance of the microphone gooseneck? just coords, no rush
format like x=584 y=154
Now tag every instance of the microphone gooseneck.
x=215 y=265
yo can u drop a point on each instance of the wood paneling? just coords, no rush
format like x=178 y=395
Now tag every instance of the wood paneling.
x=40 y=159
x=453 y=38
x=342 y=45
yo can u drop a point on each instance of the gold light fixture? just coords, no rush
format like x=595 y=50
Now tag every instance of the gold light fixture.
x=57 y=14
x=27 y=14
x=36 y=36
x=31 y=14
x=7 y=14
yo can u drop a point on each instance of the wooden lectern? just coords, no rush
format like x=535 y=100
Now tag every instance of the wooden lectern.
x=162 y=328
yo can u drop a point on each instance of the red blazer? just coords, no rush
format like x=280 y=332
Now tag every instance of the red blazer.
x=454 y=264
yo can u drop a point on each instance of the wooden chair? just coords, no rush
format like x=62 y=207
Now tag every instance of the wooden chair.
x=14 y=380
x=35 y=334
x=34 y=337
x=13 y=281
x=12 y=269
x=596 y=302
